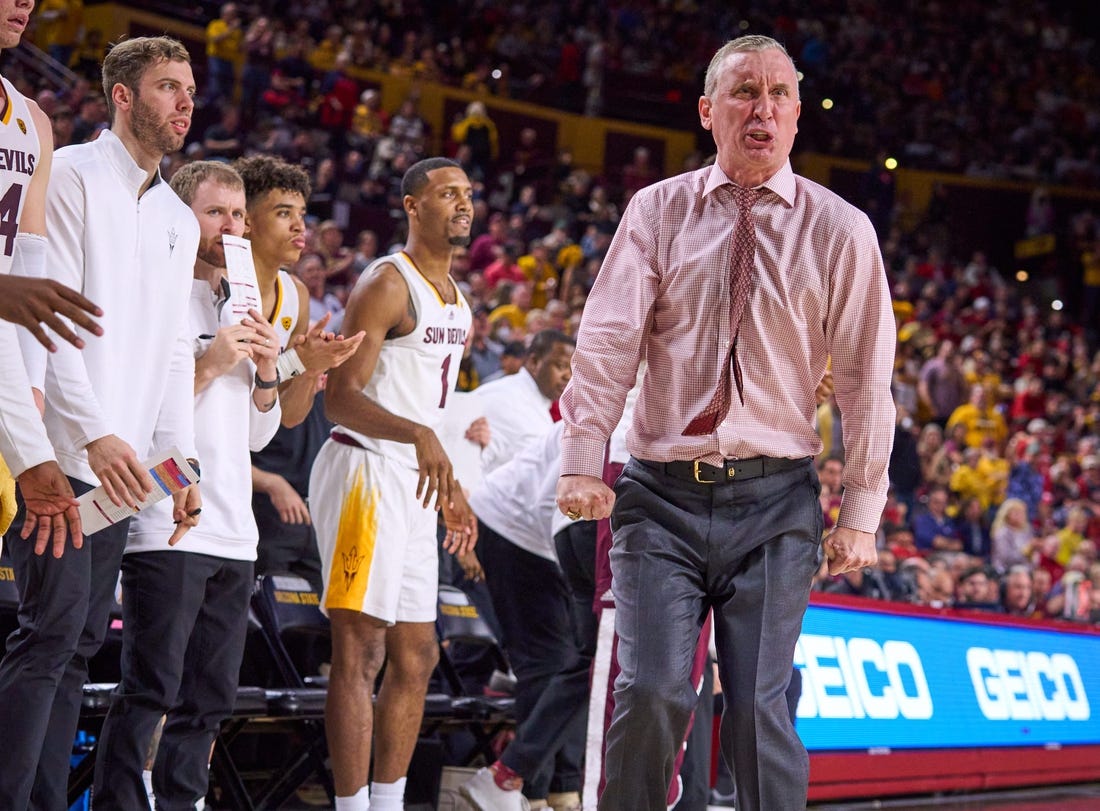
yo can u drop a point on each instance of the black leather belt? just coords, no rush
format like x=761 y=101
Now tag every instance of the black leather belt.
x=732 y=470
x=344 y=439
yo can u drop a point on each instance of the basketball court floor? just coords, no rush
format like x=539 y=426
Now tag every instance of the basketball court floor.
x=1082 y=797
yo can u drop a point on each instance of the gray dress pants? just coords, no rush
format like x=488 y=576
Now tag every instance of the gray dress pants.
x=748 y=549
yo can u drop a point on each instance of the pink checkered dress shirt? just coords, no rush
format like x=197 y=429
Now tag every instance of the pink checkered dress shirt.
x=662 y=294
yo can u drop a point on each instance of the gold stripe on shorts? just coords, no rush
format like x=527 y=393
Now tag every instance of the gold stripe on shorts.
x=354 y=552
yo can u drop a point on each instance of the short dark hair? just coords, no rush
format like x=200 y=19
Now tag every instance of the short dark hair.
x=545 y=340
x=416 y=176
x=264 y=173
x=128 y=60
x=514 y=349
x=973 y=571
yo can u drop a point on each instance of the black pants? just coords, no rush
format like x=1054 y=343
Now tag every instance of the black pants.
x=64 y=611
x=549 y=634
x=185 y=616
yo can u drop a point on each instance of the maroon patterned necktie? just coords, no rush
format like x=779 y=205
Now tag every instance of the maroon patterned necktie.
x=741 y=272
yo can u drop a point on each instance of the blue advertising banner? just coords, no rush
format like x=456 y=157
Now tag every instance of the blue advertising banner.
x=890 y=681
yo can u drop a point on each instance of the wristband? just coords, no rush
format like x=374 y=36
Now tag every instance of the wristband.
x=289 y=365
x=265 y=384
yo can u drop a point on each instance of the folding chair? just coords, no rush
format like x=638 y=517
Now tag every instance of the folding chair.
x=471 y=707
x=286 y=606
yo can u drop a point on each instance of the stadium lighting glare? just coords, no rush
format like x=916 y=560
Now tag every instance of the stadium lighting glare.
x=799 y=75
x=1056 y=305
x=891 y=163
x=826 y=104
x=743 y=25
x=1021 y=275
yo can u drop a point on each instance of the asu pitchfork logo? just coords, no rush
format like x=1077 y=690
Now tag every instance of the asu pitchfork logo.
x=352 y=562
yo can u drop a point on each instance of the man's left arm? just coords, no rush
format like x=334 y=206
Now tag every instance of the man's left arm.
x=176 y=426
x=176 y=418
x=861 y=337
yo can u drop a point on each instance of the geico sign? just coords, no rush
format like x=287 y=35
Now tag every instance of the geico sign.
x=1027 y=685
x=859 y=678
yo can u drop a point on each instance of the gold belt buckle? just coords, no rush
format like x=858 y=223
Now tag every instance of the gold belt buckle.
x=698 y=478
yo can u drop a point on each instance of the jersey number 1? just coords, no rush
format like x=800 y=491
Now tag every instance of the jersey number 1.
x=446 y=374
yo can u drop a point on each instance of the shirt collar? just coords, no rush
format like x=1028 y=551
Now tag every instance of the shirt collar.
x=781 y=183
x=529 y=382
x=123 y=162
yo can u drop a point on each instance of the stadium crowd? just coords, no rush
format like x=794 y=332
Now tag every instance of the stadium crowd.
x=1007 y=90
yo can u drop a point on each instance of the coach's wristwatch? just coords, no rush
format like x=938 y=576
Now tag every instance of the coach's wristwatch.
x=195 y=466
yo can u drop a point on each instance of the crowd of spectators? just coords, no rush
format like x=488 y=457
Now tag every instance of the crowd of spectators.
x=995 y=475
x=1007 y=90
x=1004 y=90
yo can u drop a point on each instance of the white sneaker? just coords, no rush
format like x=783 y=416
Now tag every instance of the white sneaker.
x=564 y=800
x=484 y=794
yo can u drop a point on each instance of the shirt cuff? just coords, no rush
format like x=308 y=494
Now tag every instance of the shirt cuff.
x=861 y=511
x=28 y=457
x=582 y=455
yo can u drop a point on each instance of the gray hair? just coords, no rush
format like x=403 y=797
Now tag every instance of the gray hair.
x=747 y=43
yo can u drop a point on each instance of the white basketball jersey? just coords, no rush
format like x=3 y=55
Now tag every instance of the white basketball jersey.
x=19 y=151
x=417 y=373
x=286 y=308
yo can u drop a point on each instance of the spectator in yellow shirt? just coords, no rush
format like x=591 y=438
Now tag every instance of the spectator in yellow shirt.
x=514 y=313
x=981 y=419
x=537 y=267
x=477 y=131
x=59 y=27
x=967 y=482
x=1072 y=534
x=223 y=49
x=994 y=468
x=322 y=57
x=369 y=122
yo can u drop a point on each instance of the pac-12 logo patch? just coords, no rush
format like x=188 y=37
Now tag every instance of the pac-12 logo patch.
x=285 y=321
x=22 y=125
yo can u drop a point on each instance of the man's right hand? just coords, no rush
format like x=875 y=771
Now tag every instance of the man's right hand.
x=119 y=470
x=320 y=351
x=436 y=473
x=292 y=509
x=32 y=302
x=585 y=497
x=51 y=508
x=230 y=346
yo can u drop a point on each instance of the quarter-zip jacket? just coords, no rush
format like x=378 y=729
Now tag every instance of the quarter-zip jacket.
x=134 y=256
